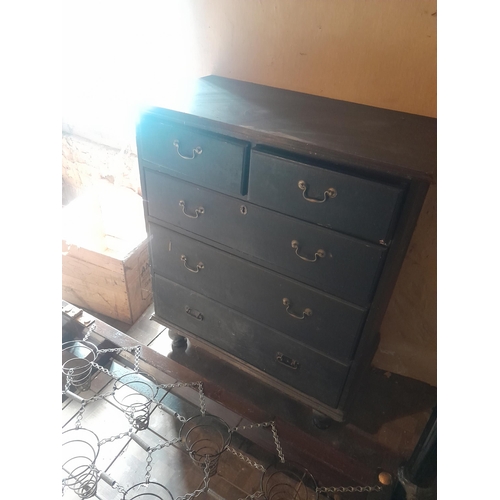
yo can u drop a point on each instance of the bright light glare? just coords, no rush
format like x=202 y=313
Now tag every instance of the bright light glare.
x=121 y=56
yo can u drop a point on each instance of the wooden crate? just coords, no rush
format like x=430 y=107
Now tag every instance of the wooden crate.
x=105 y=259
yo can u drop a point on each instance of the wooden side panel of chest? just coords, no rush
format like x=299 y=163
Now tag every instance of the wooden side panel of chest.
x=279 y=251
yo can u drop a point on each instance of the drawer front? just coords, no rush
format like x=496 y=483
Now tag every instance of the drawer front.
x=311 y=317
x=335 y=263
x=209 y=160
x=250 y=341
x=345 y=203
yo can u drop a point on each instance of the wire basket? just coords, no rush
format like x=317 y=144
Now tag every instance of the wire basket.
x=78 y=356
x=79 y=453
x=288 y=481
x=134 y=393
x=148 y=491
x=206 y=437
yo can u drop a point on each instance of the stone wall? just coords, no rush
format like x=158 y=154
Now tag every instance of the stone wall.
x=84 y=162
x=408 y=339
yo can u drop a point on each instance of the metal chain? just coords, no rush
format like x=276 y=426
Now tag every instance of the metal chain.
x=119 y=488
x=91 y=329
x=206 y=480
x=246 y=459
x=257 y=494
x=348 y=489
x=137 y=353
x=251 y=426
x=174 y=413
x=102 y=369
x=277 y=443
x=100 y=396
x=84 y=403
x=165 y=444
x=130 y=414
x=199 y=385
x=115 y=349
x=273 y=430
x=113 y=438
x=69 y=380
x=180 y=418
x=79 y=415
x=114 y=484
x=149 y=467
x=203 y=407
x=149 y=458
x=97 y=397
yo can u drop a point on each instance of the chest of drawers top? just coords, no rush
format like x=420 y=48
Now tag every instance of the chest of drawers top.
x=372 y=139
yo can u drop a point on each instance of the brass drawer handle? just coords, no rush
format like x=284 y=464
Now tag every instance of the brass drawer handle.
x=198 y=266
x=329 y=193
x=319 y=253
x=286 y=361
x=307 y=311
x=196 y=151
x=197 y=211
x=195 y=314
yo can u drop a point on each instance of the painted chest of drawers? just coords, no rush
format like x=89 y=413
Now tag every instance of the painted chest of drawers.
x=278 y=222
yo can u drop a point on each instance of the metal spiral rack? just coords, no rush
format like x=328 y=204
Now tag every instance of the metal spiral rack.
x=135 y=393
x=284 y=481
x=148 y=491
x=205 y=437
x=78 y=356
x=80 y=448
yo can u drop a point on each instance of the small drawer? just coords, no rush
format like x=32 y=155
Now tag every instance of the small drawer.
x=318 y=320
x=206 y=159
x=248 y=340
x=352 y=205
x=343 y=266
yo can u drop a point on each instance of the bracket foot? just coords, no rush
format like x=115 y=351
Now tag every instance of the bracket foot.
x=321 y=421
x=177 y=340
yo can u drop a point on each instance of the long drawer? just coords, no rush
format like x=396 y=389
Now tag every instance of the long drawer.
x=304 y=313
x=335 y=263
x=207 y=159
x=352 y=205
x=250 y=341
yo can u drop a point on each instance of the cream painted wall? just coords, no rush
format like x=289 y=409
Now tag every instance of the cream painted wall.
x=376 y=52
